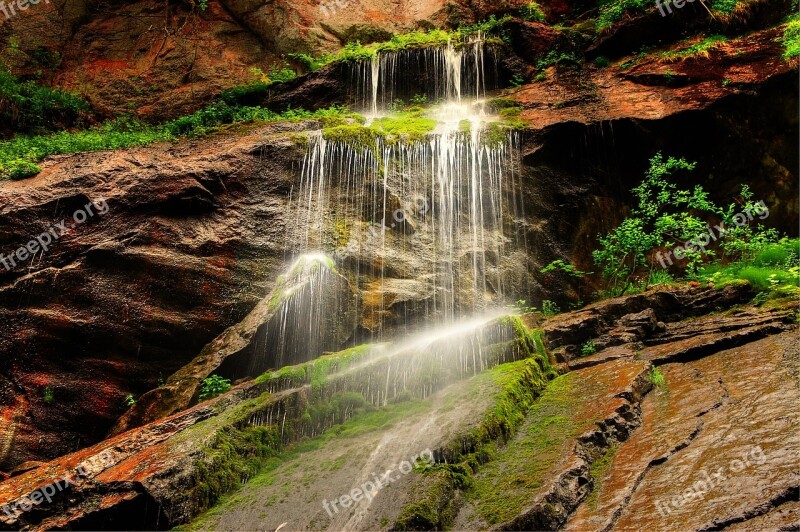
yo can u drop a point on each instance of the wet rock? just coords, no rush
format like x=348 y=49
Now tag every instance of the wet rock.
x=312 y=292
x=633 y=318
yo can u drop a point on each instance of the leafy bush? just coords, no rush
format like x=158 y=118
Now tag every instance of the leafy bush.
x=28 y=107
x=20 y=169
x=214 y=386
x=588 y=349
x=662 y=217
x=602 y=61
x=556 y=57
x=560 y=265
x=129 y=400
x=550 y=309
x=48 y=395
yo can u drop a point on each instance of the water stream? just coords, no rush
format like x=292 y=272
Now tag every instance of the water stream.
x=421 y=227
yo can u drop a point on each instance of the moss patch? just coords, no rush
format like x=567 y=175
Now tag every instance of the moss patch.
x=508 y=483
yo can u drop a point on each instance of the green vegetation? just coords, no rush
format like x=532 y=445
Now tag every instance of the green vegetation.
x=602 y=61
x=698 y=49
x=657 y=378
x=129 y=400
x=549 y=308
x=19 y=154
x=31 y=108
x=506 y=483
x=561 y=266
x=598 y=470
x=556 y=58
x=354 y=51
x=612 y=11
x=670 y=223
x=213 y=386
x=772 y=268
x=664 y=216
x=48 y=395
x=791 y=37
x=588 y=349
x=533 y=12
x=519 y=383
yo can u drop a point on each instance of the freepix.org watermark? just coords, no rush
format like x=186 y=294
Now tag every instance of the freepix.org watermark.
x=84 y=470
x=706 y=482
x=369 y=489
x=677 y=3
x=700 y=241
x=12 y=9
x=42 y=243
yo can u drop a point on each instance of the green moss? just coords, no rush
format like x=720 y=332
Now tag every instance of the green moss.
x=508 y=482
x=408 y=128
x=341 y=232
x=791 y=37
x=355 y=135
x=598 y=470
x=519 y=384
x=698 y=49
x=19 y=154
x=316 y=370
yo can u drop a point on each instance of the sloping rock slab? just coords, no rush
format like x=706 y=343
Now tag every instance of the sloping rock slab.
x=575 y=328
x=542 y=474
x=718 y=447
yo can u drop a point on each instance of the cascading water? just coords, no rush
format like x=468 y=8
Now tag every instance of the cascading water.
x=414 y=215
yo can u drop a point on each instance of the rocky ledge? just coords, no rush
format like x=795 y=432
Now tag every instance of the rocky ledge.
x=687 y=414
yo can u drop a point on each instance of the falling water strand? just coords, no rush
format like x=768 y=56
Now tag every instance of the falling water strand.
x=451 y=190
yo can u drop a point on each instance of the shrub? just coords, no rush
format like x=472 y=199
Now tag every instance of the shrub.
x=560 y=265
x=550 y=309
x=602 y=61
x=214 y=386
x=28 y=107
x=588 y=348
x=48 y=395
x=19 y=169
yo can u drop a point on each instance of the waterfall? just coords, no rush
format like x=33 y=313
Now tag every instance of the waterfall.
x=441 y=74
x=403 y=213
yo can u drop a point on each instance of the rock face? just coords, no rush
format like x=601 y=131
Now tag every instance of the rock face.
x=604 y=447
x=186 y=248
x=164 y=473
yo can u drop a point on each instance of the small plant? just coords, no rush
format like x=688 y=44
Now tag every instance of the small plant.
x=549 y=308
x=419 y=99
x=522 y=306
x=569 y=269
x=533 y=12
x=129 y=400
x=517 y=81
x=49 y=395
x=657 y=378
x=726 y=82
x=214 y=386
x=588 y=349
x=602 y=61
